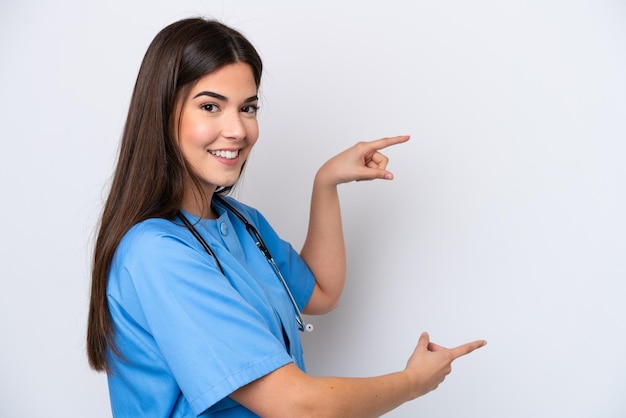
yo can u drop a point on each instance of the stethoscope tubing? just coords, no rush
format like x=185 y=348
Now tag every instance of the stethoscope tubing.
x=256 y=236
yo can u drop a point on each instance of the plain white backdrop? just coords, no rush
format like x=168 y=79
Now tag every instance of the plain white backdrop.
x=505 y=220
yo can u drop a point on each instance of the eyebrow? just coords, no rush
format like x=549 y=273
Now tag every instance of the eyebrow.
x=224 y=98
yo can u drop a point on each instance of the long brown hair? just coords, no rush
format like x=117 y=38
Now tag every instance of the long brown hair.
x=149 y=178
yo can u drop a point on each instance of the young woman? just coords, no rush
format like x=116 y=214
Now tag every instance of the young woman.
x=195 y=301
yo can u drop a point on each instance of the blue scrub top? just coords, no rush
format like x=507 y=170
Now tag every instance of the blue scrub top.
x=189 y=335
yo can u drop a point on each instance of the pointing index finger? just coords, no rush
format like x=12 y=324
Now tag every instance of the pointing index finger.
x=389 y=141
x=467 y=348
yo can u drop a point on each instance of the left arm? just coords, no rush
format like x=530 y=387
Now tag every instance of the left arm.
x=324 y=249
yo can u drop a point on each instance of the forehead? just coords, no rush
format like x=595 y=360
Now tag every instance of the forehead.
x=234 y=78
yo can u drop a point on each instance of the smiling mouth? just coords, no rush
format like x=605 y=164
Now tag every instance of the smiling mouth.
x=225 y=154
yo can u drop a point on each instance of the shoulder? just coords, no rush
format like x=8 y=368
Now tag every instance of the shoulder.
x=150 y=232
x=152 y=240
x=155 y=255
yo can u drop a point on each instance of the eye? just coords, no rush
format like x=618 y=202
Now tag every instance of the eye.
x=250 y=109
x=210 y=107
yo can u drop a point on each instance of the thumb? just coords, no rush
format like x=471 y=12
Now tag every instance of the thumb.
x=423 y=342
x=375 y=173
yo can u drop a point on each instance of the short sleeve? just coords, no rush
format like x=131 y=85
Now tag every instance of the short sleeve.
x=168 y=296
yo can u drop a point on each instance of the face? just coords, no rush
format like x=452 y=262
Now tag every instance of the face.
x=218 y=127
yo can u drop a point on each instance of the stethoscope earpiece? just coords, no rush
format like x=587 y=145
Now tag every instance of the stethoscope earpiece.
x=308 y=327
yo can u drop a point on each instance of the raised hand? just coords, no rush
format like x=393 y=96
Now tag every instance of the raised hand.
x=430 y=363
x=362 y=161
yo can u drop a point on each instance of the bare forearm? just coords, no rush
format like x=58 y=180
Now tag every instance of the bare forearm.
x=307 y=396
x=361 y=397
x=289 y=392
x=324 y=249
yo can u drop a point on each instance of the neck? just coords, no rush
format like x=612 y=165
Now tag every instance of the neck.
x=199 y=204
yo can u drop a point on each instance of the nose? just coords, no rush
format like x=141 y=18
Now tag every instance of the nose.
x=233 y=127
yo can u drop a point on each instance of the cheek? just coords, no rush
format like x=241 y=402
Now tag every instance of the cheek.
x=196 y=134
x=252 y=132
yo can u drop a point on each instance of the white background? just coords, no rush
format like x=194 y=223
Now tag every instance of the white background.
x=505 y=220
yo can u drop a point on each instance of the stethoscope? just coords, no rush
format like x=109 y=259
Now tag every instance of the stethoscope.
x=302 y=326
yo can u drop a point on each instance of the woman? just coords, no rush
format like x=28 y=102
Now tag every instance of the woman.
x=187 y=316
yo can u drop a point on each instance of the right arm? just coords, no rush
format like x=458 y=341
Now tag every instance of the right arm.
x=289 y=392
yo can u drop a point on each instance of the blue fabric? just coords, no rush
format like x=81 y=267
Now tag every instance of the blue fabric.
x=190 y=336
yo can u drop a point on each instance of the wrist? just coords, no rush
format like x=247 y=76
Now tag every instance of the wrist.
x=324 y=182
x=414 y=384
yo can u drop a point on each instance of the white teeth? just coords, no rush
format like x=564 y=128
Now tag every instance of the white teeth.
x=225 y=154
